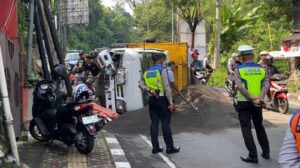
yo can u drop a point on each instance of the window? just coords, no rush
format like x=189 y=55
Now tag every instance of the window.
x=8 y=81
x=17 y=90
x=11 y=49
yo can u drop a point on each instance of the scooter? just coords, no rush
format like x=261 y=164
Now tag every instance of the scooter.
x=278 y=93
x=105 y=115
x=201 y=76
x=54 y=119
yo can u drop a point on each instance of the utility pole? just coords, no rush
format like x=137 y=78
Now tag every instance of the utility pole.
x=218 y=34
x=173 y=25
x=30 y=35
x=8 y=118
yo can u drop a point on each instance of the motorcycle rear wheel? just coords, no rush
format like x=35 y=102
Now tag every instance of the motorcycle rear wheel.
x=283 y=105
x=35 y=132
x=84 y=142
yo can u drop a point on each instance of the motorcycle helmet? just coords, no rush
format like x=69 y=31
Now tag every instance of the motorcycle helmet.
x=264 y=53
x=81 y=92
x=59 y=70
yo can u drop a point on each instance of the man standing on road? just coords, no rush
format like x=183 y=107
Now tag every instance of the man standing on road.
x=252 y=83
x=160 y=103
x=171 y=68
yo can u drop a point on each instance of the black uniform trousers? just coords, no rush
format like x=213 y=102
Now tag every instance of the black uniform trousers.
x=246 y=112
x=158 y=108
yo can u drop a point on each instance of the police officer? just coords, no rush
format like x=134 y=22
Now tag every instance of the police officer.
x=252 y=83
x=289 y=156
x=160 y=103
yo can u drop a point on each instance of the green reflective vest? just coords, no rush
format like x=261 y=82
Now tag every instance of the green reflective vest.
x=252 y=77
x=153 y=80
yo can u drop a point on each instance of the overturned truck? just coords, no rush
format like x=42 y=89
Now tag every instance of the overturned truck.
x=121 y=71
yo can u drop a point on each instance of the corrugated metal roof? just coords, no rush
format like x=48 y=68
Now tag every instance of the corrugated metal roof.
x=295 y=36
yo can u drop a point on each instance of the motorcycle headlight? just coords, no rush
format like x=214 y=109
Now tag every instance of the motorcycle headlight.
x=44 y=86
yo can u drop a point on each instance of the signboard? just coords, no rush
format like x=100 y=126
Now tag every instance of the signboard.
x=73 y=11
x=287 y=52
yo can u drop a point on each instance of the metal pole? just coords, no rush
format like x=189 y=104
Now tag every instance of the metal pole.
x=29 y=49
x=172 y=25
x=53 y=33
x=46 y=33
x=218 y=34
x=41 y=45
x=7 y=112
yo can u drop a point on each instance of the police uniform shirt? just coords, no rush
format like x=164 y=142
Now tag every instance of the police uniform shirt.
x=244 y=91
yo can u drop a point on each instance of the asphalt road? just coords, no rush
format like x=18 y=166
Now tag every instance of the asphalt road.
x=200 y=149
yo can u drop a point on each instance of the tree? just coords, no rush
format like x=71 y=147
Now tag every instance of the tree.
x=192 y=12
x=152 y=19
x=106 y=26
x=295 y=62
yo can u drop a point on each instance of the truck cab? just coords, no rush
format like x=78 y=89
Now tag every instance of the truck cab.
x=124 y=68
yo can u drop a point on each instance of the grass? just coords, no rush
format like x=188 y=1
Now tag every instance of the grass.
x=294 y=86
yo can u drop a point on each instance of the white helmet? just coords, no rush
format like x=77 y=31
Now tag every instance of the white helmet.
x=81 y=92
x=245 y=49
x=264 y=53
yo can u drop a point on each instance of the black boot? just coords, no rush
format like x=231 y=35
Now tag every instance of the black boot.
x=155 y=151
x=249 y=159
x=173 y=150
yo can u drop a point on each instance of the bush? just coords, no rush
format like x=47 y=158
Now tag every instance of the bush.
x=218 y=77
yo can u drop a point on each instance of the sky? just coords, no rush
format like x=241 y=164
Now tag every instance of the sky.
x=111 y=3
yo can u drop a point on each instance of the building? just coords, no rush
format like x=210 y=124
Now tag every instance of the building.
x=9 y=43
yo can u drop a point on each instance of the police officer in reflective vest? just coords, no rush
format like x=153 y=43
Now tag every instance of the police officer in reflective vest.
x=289 y=156
x=160 y=103
x=252 y=83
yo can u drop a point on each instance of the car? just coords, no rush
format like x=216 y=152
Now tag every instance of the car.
x=72 y=58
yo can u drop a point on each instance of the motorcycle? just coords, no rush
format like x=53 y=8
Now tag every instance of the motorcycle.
x=230 y=87
x=202 y=75
x=54 y=119
x=278 y=93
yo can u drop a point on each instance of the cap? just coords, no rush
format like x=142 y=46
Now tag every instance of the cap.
x=234 y=55
x=264 y=53
x=195 y=54
x=245 y=49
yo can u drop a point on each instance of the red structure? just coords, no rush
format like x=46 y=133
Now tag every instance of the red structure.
x=9 y=19
x=9 y=43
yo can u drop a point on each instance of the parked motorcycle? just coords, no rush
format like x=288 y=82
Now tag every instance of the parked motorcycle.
x=203 y=75
x=54 y=119
x=278 y=93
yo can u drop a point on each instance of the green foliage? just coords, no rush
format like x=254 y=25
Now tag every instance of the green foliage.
x=153 y=19
x=106 y=26
x=23 y=15
x=218 y=77
x=294 y=86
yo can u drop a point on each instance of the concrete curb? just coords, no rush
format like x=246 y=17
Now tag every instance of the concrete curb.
x=294 y=96
x=116 y=151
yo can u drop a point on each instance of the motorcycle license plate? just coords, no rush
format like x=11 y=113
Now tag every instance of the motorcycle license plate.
x=90 y=119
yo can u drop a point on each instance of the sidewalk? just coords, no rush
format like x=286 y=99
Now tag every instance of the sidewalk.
x=34 y=154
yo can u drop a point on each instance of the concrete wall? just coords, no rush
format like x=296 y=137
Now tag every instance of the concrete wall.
x=10 y=52
x=185 y=35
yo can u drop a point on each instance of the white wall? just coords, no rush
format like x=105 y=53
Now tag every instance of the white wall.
x=185 y=35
